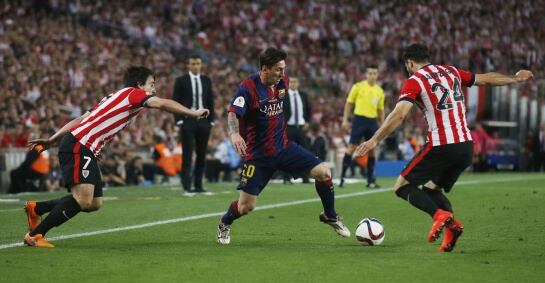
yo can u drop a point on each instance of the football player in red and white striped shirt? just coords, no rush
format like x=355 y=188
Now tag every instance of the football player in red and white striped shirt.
x=80 y=143
x=436 y=90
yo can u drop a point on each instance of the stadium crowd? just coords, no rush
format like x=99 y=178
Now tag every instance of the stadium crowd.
x=59 y=57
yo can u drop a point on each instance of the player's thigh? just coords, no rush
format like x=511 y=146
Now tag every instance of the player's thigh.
x=254 y=177
x=297 y=161
x=461 y=157
x=428 y=164
x=79 y=166
x=97 y=203
x=400 y=182
x=83 y=194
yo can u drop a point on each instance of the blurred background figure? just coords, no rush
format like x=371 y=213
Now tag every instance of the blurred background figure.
x=194 y=90
x=35 y=168
x=297 y=114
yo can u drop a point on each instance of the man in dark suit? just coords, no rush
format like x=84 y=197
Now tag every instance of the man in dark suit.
x=297 y=114
x=194 y=91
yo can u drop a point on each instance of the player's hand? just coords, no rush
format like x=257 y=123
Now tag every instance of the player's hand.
x=201 y=113
x=346 y=125
x=45 y=143
x=239 y=143
x=365 y=147
x=523 y=75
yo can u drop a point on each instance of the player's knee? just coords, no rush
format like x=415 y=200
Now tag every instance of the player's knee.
x=322 y=172
x=401 y=181
x=404 y=191
x=245 y=208
x=95 y=205
x=85 y=204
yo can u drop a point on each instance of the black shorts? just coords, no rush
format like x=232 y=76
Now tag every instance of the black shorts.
x=79 y=165
x=362 y=127
x=441 y=164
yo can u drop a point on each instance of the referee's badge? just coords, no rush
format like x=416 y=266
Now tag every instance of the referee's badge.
x=282 y=93
x=85 y=173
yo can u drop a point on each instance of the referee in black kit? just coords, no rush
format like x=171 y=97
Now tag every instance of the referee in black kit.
x=297 y=115
x=194 y=90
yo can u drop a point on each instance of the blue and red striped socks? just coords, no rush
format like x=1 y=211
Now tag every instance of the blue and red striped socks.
x=232 y=214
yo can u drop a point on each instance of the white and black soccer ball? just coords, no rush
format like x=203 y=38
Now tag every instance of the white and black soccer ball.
x=370 y=232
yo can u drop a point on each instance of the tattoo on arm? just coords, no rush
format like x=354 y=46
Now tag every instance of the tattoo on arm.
x=232 y=123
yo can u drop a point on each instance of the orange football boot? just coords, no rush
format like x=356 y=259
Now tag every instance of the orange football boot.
x=441 y=218
x=452 y=233
x=37 y=241
x=32 y=217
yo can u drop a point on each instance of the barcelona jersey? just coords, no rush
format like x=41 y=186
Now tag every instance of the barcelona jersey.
x=261 y=116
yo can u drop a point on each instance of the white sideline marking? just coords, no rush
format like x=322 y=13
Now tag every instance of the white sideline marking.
x=263 y=207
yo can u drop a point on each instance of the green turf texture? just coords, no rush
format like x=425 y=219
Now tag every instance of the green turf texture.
x=503 y=241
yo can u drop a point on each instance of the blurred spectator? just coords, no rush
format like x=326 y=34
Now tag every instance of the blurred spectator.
x=135 y=172
x=35 y=168
x=481 y=140
x=539 y=149
x=54 y=180
x=224 y=160
x=113 y=170
x=318 y=142
x=162 y=157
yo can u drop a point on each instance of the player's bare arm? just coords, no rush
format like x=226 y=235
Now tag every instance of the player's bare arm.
x=348 y=109
x=390 y=124
x=236 y=139
x=46 y=143
x=498 y=79
x=172 y=106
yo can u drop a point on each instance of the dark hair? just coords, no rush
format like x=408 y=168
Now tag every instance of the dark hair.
x=372 y=66
x=271 y=56
x=193 y=56
x=137 y=75
x=416 y=52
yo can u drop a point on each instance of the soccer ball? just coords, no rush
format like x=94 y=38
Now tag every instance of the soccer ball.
x=370 y=232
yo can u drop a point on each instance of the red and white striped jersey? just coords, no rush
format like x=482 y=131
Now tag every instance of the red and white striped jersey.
x=436 y=90
x=108 y=117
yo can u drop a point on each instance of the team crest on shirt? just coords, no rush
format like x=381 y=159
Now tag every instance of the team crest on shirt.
x=282 y=93
x=85 y=173
x=243 y=181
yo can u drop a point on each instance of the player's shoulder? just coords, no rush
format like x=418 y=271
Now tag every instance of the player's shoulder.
x=129 y=90
x=412 y=82
x=249 y=81
x=448 y=68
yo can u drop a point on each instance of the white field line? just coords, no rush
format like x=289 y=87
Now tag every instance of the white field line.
x=263 y=207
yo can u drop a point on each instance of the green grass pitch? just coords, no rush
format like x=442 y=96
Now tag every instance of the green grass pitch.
x=503 y=241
